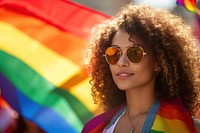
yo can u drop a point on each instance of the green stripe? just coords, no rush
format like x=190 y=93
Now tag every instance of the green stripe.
x=81 y=111
x=155 y=131
x=43 y=92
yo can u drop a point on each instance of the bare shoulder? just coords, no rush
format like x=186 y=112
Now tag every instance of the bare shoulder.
x=196 y=124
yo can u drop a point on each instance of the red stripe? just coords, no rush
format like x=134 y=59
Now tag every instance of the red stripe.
x=175 y=112
x=61 y=13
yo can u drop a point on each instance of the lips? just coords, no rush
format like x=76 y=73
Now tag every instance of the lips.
x=124 y=75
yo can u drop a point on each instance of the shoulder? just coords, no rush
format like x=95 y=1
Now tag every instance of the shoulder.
x=94 y=123
x=98 y=123
x=196 y=124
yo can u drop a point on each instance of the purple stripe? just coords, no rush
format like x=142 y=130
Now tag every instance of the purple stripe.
x=101 y=119
x=180 y=2
x=6 y=89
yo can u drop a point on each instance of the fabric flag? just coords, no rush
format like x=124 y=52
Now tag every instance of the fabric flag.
x=41 y=75
x=190 y=5
x=158 y=120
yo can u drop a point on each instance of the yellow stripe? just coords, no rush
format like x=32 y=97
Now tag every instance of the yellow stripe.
x=169 y=125
x=82 y=92
x=46 y=62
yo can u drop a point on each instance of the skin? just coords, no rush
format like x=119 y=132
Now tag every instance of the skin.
x=137 y=80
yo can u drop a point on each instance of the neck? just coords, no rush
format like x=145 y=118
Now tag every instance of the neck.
x=139 y=101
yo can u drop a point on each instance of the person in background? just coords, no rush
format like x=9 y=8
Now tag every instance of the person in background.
x=23 y=125
x=145 y=69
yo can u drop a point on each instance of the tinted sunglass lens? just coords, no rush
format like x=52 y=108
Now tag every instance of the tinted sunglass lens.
x=112 y=55
x=135 y=54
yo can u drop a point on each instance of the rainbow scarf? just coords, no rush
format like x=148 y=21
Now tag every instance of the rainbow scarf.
x=41 y=74
x=171 y=117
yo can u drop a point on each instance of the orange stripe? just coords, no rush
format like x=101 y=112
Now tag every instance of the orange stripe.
x=66 y=44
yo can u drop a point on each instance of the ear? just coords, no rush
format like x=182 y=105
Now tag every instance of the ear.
x=157 y=68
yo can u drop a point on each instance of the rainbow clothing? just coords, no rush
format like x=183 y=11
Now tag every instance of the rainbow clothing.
x=163 y=117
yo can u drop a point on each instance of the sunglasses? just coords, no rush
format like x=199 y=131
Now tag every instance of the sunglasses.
x=135 y=54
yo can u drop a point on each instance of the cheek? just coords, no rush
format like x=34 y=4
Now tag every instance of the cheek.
x=149 y=63
x=112 y=69
x=147 y=67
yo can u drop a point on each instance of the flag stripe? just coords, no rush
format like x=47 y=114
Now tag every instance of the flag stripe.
x=154 y=131
x=34 y=111
x=180 y=2
x=160 y=121
x=190 y=5
x=27 y=49
x=56 y=15
x=43 y=59
x=64 y=43
x=47 y=96
x=28 y=52
x=11 y=98
x=82 y=91
x=174 y=112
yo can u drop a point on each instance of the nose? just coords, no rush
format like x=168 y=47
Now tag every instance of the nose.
x=123 y=61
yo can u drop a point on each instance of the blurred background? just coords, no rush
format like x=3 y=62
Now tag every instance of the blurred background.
x=111 y=7
x=43 y=84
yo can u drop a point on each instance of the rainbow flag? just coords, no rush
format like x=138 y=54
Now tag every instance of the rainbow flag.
x=190 y=5
x=41 y=74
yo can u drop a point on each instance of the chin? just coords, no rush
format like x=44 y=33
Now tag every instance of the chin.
x=124 y=87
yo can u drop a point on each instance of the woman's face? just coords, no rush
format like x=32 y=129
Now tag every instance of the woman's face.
x=128 y=75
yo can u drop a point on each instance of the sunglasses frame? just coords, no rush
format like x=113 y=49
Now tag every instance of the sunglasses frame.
x=138 y=45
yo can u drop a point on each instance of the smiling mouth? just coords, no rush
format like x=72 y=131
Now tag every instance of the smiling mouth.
x=124 y=75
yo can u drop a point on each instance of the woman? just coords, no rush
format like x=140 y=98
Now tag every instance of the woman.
x=145 y=72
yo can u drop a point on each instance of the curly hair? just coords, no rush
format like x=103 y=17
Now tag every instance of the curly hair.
x=172 y=43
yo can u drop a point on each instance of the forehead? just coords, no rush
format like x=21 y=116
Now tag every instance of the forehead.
x=123 y=39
